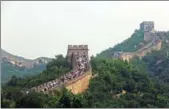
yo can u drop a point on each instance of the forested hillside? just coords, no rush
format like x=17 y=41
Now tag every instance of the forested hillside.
x=113 y=77
x=8 y=70
x=129 y=45
x=157 y=64
x=19 y=66
x=13 y=92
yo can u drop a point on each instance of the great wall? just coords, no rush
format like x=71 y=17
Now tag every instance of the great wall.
x=156 y=45
x=77 y=80
x=153 y=39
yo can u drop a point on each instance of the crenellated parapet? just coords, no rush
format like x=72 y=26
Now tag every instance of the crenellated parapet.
x=77 y=47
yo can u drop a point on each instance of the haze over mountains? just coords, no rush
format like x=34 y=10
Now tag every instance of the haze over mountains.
x=23 y=62
x=20 y=66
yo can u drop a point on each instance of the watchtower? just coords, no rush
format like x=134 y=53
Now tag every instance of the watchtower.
x=76 y=49
x=148 y=28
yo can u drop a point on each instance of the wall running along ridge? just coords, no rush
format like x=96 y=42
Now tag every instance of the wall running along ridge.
x=78 y=84
x=151 y=36
x=129 y=55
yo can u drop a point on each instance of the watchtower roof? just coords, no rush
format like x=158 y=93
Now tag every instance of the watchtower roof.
x=77 y=47
x=145 y=22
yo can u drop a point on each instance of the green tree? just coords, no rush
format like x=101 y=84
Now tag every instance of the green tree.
x=31 y=100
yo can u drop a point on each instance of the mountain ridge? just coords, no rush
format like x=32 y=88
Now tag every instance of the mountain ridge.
x=19 y=66
x=28 y=63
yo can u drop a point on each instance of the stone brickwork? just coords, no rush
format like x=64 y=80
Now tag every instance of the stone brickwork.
x=80 y=84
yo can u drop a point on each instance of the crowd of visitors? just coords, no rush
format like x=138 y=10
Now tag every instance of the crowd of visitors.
x=80 y=68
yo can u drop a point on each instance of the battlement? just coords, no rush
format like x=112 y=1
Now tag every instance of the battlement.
x=77 y=47
x=147 y=22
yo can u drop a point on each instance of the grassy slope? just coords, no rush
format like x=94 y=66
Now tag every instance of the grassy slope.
x=127 y=45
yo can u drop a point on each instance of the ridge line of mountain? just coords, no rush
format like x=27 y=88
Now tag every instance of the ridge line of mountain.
x=6 y=52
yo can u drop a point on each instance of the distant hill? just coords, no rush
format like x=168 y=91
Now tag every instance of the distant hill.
x=21 y=61
x=20 y=66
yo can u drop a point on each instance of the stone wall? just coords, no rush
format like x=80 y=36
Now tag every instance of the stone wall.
x=77 y=85
x=126 y=56
x=80 y=84
x=148 y=36
x=141 y=53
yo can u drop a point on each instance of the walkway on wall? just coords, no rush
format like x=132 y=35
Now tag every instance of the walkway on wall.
x=82 y=66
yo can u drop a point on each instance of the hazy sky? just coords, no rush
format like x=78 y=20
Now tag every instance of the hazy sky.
x=45 y=28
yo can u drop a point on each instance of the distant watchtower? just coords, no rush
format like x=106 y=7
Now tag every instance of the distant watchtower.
x=148 y=28
x=76 y=49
